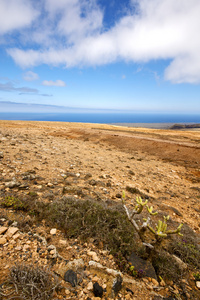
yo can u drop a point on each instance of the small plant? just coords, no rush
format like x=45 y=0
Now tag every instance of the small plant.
x=188 y=252
x=161 y=230
x=13 y=202
x=33 y=282
x=196 y=276
x=134 y=272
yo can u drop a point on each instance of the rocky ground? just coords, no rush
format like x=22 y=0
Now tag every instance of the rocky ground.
x=97 y=161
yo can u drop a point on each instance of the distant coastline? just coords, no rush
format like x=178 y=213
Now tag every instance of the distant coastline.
x=161 y=125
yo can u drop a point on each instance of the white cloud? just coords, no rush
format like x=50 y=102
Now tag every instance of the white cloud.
x=30 y=76
x=16 y=14
x=164 y=29
x=54 y=83
x=77 y=18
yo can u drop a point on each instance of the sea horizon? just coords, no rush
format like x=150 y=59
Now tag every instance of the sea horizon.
x=105 y=118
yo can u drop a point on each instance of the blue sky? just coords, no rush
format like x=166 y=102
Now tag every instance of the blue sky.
x=140 y=55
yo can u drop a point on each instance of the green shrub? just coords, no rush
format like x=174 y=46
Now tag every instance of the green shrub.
x=13 y=202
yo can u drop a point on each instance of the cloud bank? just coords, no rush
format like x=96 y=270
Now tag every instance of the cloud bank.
x=72 y=33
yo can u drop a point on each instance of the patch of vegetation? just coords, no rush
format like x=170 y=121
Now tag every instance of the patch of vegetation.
x=188 y=252
x=85 y=219
x=166 y=267
x=33 y=282
x=33 y=194
x=13 y=202
x=197 y=276
x=90 y=219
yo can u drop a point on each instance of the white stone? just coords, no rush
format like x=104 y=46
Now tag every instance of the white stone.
x=53 y=231
x=63 y=242
x=198 y=284
x=90 y=286
x=93 y=255
x=75 y=264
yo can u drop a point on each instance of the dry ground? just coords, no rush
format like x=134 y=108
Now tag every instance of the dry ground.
x=164 y=165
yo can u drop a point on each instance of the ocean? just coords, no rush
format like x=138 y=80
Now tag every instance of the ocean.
x=104 y=118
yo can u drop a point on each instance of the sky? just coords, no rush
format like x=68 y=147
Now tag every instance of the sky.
x=132 y=55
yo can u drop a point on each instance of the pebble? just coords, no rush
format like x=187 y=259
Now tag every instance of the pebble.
x=93 y=255
x=3 y=229
x=71 y=277
x=90 y=286
x=97 y=290
x=63 y=242
x=11 y=231
x=154 y=281
x=198 y=284
x=3 y=240
x=53 y=231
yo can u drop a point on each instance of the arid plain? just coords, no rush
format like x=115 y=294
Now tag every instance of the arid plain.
x=102 y=161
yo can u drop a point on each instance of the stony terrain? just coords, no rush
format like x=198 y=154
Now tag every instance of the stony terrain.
x=97 y=161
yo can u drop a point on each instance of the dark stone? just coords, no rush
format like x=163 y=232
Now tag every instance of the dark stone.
x=142 y=266
x=69 y=174
x=97 y=290
x=92 y=182
x=118 y=195
x=24 y=187
x=132 y=190
x=71 y=277
x=131 y=172
x=117 y=285
x=129 y=291
x=87 y=176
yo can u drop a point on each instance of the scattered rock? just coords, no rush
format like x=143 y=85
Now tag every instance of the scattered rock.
x=117 y=285
x=3 y=229
x=90 y=286
x=142 y=266
x=12 y=184
x=3 y=240
x=76 y=264
x=52 y=251
x=93 y=255
x=11 y=231
x=87 y=176
x=198 y=284
x=97 y=290
x=63 y=242
x=53 y=231
x=71 y=277
x=183 y=266
x=1 y=154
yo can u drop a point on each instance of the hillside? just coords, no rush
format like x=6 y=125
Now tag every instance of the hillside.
x=58 y=172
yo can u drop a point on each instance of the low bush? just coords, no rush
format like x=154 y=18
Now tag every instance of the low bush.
x=30 y=282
